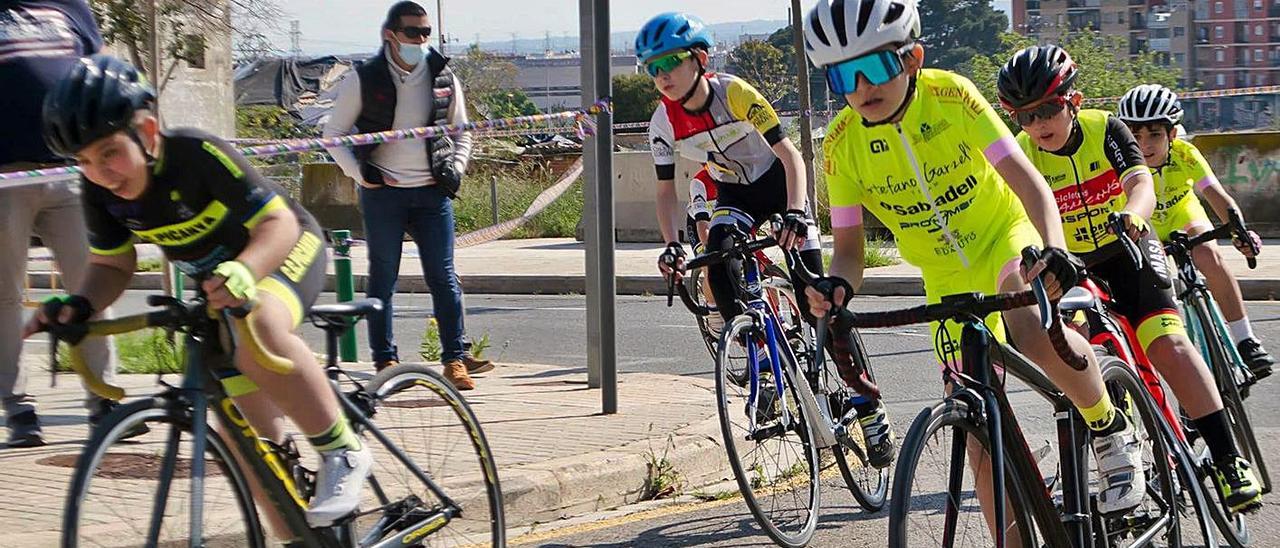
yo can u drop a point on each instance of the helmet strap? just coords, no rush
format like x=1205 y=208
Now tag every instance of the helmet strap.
x=906 y=102
x=702 y=71
x=151 y=159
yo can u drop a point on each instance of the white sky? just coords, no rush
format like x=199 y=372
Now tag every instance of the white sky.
x=336 y=26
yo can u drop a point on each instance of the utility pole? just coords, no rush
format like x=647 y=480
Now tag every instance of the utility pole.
x=806 y=103
x=440 y=24
x=295 y=38
x=513 y=43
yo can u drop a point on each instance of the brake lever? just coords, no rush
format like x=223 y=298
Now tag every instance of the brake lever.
x=1242 y=234
x=1031 y=256
x=1116 y=221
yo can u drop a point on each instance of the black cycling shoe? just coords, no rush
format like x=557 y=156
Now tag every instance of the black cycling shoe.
x=24 y=430
x=1256 y=357
x=105 y=407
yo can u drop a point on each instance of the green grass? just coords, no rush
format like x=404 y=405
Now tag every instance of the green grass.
x=518 y=186
x=878 y=252
x=146 y=352
x=152 y=264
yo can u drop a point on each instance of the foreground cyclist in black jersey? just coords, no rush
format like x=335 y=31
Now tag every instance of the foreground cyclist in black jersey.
x=219 y=221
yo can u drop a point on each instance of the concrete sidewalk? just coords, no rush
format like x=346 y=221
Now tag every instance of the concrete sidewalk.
x=557 y=456
x=557 y=266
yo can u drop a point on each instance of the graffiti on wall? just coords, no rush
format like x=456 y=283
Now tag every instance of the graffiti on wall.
x=1243 y=169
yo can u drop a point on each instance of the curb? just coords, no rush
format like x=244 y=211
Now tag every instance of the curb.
x=1253 y=289
x=572 y=486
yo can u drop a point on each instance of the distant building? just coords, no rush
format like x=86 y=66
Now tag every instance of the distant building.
x=554 y=81
x=1217 y=44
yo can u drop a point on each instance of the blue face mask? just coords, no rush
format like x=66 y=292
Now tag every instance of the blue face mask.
x=411 y=53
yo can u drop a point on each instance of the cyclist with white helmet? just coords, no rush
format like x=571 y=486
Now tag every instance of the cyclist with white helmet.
x=1152 y=113
x=723 y=122
x=930 y=158
x=1094 y=168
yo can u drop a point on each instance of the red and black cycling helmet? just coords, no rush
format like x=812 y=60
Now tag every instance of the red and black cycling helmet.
x=1033 y=74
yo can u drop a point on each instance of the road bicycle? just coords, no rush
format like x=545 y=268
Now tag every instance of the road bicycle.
x=190 y=483
x=783 y=408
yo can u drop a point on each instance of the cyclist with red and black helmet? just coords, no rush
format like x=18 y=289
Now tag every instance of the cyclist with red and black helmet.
x=1095 y=168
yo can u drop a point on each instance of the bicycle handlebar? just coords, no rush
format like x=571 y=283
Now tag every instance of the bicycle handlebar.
x=174 y=315
x=952 y=306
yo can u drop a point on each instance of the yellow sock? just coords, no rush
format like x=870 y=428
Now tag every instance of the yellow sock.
x=335 y=437
x=1099 y=415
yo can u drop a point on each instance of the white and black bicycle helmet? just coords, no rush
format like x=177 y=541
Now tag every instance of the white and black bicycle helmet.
x=1150 y=103
x=839 y=30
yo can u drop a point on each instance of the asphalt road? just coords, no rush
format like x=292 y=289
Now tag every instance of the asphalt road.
x=655 y=338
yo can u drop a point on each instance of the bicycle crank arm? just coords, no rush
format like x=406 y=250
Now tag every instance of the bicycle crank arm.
x=419 y=530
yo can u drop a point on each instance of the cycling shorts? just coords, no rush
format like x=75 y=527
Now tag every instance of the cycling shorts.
x=985 y=276
x=297 y=284
x=1151 y=310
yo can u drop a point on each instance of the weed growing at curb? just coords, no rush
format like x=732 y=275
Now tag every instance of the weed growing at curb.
x=663 y=480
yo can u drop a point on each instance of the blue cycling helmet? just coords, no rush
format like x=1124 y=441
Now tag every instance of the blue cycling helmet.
x=671 y=31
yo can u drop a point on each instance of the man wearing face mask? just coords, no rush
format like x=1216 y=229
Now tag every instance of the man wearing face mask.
x=408 y=184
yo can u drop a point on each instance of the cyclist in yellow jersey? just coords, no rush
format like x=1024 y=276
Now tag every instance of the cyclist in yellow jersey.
x=1094 y=168
x=1152 y=113
x=928 y=156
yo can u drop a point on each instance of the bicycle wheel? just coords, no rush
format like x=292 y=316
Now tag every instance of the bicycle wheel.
x=1156 y=517
x=1226 y=374
x=1233 y=526
x=775 y=464
x=935 y=501
x=425 y=417
x=116 y=485
x=869 y=485
x=696 y=283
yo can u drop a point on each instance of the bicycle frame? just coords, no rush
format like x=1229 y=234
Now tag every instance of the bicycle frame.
x=978 y=387
x=201 y=391
x=1114 y=332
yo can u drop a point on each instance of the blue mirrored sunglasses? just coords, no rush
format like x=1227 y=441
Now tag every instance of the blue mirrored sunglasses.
x=878 y=67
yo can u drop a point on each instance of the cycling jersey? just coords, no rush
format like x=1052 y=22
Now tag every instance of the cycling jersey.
x=1088 y=176
x=733 y=135
x=931 y=177
x=702 y=196
x=199 y=206
x=1177 y=207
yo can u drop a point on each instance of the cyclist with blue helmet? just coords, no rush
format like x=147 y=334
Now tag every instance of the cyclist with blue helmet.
x=724 y=123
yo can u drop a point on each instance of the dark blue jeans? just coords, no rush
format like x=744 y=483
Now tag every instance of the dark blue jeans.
x=427 y=214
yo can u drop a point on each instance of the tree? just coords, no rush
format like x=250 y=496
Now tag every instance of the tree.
x=486 y=77
x=1106 y=68
x=508 y=103
x=634 y=98
x=761 y=65
x=956 y=31
x=184 y=27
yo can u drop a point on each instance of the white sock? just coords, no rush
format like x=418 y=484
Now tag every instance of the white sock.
x=1240 y=330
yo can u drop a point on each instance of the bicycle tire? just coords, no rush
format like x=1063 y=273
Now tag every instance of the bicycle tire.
x=475 y=489
x=124 y=529
x=951 y=418
x=1233 y=526
x=709 y=337
x=869 y=485
x=791 y=533
x=1125 y=388
x=1234 y=399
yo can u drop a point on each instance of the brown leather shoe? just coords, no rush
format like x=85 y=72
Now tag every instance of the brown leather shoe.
x=383 y=364
x=456 y=372
x=476 y=365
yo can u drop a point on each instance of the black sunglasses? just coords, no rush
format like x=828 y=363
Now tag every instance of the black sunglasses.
x=414 y=33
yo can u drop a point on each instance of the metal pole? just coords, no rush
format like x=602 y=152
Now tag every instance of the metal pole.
x=493 y=198
x=602 y=358
x=440 y=24
x=806 y=104
x=346 y=287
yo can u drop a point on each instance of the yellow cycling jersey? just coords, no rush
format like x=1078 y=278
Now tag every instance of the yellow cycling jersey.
x=1177 y=181
x=1088 y=176
x=929 y=178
